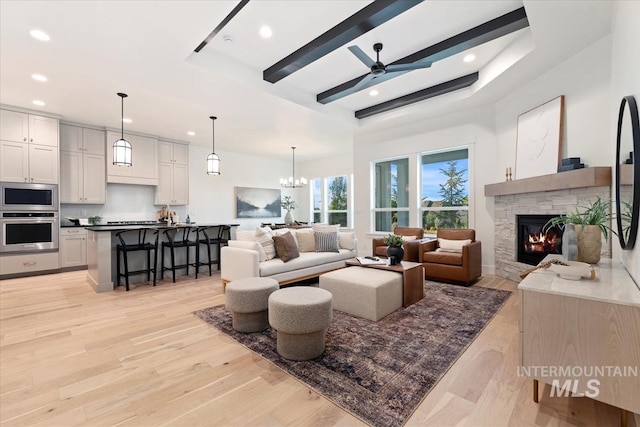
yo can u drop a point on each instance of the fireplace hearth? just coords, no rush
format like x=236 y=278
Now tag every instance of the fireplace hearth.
x=535 y=243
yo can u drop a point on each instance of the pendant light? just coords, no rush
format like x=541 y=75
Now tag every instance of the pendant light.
x=213 y=161
x=122 y=148
x=292 y=182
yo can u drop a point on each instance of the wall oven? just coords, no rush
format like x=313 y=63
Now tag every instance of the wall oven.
x=33 y=231
x=17 y=196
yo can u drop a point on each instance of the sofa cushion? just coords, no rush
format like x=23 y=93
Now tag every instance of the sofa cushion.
x=448 y=258
x=326 y=227
x=346 y=240
x=250 y=236
x=306 y=240
x=327 y=241
x=305 y=260
x=286 y=247
x=265 y=238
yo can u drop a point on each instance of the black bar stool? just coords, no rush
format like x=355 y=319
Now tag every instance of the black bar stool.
x=214 y=235
x=178 y=237
x=133 y=246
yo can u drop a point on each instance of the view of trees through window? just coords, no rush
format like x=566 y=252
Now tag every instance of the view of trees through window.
x=336 y=209
x=445 y=190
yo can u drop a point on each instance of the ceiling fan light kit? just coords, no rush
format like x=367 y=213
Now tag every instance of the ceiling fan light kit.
x=213 y=160
x=292 y=182
x=122 y=148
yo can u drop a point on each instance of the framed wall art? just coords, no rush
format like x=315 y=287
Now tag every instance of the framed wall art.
x=257 y=202
x=539 y=139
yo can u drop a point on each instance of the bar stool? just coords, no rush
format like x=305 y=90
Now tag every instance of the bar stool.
x=178 y=237
x=214 y=235
x=140 y=245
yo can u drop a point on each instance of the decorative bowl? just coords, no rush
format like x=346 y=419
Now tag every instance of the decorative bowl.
x=574 y=271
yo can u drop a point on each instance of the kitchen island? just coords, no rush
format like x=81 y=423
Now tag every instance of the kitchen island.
x=101 y=251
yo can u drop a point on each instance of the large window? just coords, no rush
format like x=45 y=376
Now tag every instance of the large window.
x=444 y=201
x=330 y=200
x=391 y=194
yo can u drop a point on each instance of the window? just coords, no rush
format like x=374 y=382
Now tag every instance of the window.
x=391 y=190
x=334 y=191
x=444 y=201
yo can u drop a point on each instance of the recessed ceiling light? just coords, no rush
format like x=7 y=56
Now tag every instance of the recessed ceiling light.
x=191 y=133
x=38 y=103
x=266 y=32
x=127 y=120
x=39 y=77
x=227 y=39
x=40 y=35
x=469 y=58
x=373 y=92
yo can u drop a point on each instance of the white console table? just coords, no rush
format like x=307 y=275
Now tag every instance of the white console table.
x=584 y=324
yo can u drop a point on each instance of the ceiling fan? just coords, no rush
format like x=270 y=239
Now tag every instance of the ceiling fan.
x=378 y=68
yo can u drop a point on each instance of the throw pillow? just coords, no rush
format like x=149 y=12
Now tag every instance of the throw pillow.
x=408 y=238
x=286 y=247
x=306 y=240
x=281 y=231
x=253 y=245
x=325 y=227
x=265 y=238
x=250 y=236
x=327 y=241
x=347 y=240
x=452 y=244
x=456 y=251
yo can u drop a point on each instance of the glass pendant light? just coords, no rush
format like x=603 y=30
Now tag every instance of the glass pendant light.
x=292 y=182
x=122 y=148
x=213 y=161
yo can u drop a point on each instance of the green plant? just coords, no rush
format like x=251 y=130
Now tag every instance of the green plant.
x=597 y=213
x=95 y=219
x=288 y=203
x=393 y=240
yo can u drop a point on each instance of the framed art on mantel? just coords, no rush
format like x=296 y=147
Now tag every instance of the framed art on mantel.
x=539 y=138
x=257 y=202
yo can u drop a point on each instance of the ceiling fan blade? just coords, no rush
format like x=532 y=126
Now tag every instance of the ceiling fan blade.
x=407 y=67
x=362 y=83
x=359 y=53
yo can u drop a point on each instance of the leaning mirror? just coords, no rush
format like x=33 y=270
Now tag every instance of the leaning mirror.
x=628 y=172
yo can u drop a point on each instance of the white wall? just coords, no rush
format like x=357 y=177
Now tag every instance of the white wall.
x=625 y=71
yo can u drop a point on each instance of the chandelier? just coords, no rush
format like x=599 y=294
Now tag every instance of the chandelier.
x=292 y=182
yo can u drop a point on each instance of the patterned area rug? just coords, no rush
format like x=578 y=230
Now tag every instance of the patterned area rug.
x=381 y=371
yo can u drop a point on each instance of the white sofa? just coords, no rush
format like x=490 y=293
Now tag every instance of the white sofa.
x=241 y=259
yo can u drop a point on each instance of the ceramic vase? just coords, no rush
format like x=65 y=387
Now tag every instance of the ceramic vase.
x=288 y=218
x=569 y=243
x=589 y=243
x=395 y=251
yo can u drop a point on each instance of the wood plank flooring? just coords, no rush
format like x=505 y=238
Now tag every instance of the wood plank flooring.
x=69 y=356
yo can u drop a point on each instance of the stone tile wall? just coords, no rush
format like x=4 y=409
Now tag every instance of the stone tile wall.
x=543 y=203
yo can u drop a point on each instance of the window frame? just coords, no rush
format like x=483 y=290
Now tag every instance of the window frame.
x=373 y=180
x=324 y=199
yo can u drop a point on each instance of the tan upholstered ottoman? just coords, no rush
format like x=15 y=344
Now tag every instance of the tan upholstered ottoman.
x=248 y=301
x=300 y=315
x=364 y=292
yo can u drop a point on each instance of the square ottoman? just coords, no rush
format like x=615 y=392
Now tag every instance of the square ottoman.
x=364 y=292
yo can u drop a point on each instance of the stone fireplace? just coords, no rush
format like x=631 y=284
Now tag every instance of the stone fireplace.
x=546 y=195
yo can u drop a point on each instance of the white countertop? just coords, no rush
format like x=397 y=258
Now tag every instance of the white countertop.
x=612 y=284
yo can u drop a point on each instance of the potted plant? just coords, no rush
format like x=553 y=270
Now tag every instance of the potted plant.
x=590 y=224
x=394 y=243
x=288 y=204
x=95 y=219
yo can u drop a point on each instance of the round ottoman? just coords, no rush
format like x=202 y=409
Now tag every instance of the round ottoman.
x=248 y=301
x=300 y=315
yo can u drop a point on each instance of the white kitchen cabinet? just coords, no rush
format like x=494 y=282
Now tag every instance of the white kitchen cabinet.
x=173 y=174
x=28 y=263
x=22 y=127
x=144 y=159
x=24 y=162
x=82 y=165
x=73 y=247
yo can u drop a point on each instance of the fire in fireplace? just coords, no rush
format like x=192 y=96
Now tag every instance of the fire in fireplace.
x=534 y=243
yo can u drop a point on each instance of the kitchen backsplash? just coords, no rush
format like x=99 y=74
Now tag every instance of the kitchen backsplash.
x=124 y=203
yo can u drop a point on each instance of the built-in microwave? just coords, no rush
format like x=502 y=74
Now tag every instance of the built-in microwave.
x=17 y=196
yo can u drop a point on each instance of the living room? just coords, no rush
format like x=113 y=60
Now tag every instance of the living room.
x=593 y=79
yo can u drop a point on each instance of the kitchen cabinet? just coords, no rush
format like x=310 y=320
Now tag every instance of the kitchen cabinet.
x=173 y=174
x=82 y=165
x=30 y=128
x=28 y=148
x=24 y=162
x=144 y=159
x=73 y=247
x=19 y=264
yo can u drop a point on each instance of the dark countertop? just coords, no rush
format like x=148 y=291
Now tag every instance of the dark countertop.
x=120 y=227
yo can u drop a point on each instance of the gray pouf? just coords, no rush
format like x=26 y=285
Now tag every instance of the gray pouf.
x=300 y=315
x=248 y=300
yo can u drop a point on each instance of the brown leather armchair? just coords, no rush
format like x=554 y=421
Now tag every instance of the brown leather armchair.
x=460 y=268
x=379 y=249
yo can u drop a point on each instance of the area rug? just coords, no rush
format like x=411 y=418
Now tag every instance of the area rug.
x=380 y=371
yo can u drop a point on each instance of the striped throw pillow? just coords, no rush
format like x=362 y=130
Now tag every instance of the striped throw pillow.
x=327 y=241
x=264 y=237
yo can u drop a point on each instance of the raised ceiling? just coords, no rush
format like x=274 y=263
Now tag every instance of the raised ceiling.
x=146 y=49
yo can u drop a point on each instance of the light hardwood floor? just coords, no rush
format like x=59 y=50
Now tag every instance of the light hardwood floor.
x=69 y=356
